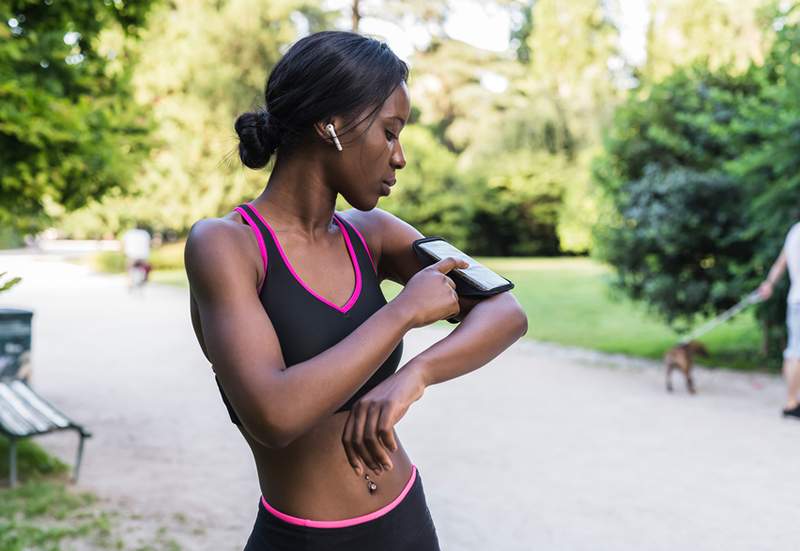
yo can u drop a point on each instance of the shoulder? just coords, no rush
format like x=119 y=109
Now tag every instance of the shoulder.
x=794 y=232
x=377 y=223
x=389 y=237
x=214 y=233
x=215 y=247
x=382 y=230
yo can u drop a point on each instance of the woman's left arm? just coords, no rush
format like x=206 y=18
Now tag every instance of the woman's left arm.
x=492 y=325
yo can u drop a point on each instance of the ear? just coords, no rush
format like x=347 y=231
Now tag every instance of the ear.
x=319 y=128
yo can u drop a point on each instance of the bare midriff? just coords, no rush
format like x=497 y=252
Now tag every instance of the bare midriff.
x=311 y=478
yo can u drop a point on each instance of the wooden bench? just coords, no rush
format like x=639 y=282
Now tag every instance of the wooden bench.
x=24 y=413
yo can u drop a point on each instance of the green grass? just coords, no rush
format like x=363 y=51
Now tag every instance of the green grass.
x=170 y=277
x=42 y=512
x=45 y=513
x=32 y=461
x=569 y=301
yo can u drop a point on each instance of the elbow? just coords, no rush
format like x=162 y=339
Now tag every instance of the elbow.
x=522 y=321
x=516 y=316
x=273 y=431
x=275 y=439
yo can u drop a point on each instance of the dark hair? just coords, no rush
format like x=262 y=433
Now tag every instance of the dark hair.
x=323 y=74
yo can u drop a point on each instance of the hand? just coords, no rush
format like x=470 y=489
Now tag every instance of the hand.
x=765 y=290
x=368 y=435
x=430 y=295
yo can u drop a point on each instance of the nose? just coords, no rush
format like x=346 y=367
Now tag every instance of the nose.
x=398 y=159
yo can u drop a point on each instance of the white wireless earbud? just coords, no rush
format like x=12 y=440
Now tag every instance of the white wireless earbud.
x=332 y=134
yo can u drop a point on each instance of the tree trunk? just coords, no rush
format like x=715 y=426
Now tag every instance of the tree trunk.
x=356 y=16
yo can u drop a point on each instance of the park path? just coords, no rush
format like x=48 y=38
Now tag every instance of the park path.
x=546 y=447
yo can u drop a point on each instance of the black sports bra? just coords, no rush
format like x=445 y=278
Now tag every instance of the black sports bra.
x=305 y=322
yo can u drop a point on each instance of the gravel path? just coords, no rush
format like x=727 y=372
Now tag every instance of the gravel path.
x=544 y=448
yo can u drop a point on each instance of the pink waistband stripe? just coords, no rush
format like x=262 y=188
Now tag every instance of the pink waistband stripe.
x=348 y=521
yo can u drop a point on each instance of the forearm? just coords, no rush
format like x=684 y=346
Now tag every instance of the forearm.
x=777 y=270
x=489 y=328
x=311 y=390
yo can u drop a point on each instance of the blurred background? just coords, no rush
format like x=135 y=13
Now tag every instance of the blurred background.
x=633 y=166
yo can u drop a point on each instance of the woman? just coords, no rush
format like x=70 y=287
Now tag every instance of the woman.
x=286 y=304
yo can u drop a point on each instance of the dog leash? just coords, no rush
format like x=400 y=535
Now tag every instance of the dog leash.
x=748 y=300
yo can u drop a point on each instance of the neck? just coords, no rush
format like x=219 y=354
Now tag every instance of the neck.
x=298 y=198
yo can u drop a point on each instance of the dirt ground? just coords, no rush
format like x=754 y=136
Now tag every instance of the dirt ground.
x=544 y=448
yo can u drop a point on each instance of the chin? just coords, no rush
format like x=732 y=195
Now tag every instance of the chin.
x=364 y=204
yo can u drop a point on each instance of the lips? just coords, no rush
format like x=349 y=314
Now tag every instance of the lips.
x=386 y=186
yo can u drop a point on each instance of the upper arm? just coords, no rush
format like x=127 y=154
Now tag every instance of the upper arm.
x=392 y=238
x=238 y=337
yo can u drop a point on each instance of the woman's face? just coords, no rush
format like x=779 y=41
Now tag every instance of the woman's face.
x=371 y=152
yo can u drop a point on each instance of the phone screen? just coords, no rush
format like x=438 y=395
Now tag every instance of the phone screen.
x=481 y=276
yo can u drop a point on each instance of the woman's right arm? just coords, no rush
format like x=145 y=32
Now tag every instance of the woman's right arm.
x=275 y=404
x=778 y=267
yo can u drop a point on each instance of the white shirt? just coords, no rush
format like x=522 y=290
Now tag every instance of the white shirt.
x=136 y=244
x=792 y=249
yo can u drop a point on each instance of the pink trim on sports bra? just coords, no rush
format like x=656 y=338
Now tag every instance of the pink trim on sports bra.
x=348 y=521
x=369 y=254
x=260 y=239
x=353 y=260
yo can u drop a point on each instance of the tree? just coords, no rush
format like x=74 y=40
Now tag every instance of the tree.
x=680 y=242
x=203 y=62
x=702 y=171
x=69 y=130
x=717 y=34
x=430 y=195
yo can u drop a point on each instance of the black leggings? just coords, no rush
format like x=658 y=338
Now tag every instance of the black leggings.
x=406 y=527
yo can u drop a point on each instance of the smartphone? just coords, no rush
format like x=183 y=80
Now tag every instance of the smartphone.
x=477 y=275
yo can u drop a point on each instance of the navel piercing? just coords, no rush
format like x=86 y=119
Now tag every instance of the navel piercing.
x=332 y=134
x=371 y=486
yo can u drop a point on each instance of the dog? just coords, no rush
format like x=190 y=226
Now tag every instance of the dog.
x=682 y=357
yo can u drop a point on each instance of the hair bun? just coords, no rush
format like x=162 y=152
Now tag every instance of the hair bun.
x=259 y=136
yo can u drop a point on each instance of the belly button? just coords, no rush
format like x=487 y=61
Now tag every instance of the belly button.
x=371 y=486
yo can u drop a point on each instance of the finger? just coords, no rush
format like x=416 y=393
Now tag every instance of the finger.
x=373 y=443
x=448 y=263
x=358 y=437
x=386 y=430
x=450 y=282
x=347 y=442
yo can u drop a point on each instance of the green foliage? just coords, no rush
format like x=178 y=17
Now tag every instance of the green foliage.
x=430 y=195
x=112 y=262
x=684 y=121
x=9 y=238
x=201 y=64
x=69 y=131
x=516 y=198
x=32 y=461
x=717 y=34
x=680 y=242
x=42 y=512
x=168 y=256
x=8 y=283
x=703 y=173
